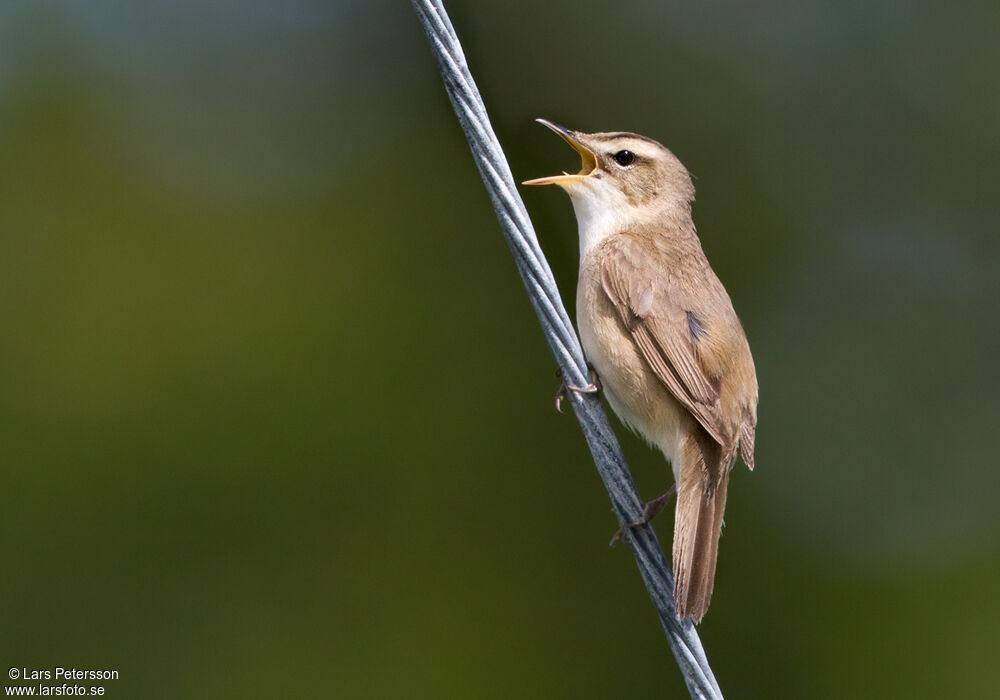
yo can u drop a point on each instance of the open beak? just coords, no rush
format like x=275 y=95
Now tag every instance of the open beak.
x=588 y=157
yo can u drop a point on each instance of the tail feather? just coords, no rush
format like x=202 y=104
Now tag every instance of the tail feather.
x=701 y=503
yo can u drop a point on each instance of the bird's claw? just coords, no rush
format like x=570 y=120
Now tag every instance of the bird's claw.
x=592 y=387
x=649 y=511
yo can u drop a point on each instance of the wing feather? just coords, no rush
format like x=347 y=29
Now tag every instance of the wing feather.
x=656 y=317
x=747 y=435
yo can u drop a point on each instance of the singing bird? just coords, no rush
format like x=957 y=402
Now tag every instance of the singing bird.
x=660 y=331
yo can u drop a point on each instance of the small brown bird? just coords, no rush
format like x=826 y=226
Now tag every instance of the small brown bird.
x=660 y=331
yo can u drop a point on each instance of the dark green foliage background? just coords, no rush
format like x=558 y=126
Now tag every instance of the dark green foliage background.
x=275 y=414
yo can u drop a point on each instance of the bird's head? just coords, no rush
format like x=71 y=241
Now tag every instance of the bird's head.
x=621 y=169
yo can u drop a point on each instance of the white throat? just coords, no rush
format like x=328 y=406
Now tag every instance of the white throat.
x=601 y=211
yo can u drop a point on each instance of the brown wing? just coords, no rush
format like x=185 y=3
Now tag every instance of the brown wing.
x=664 y=331
x=747 y=435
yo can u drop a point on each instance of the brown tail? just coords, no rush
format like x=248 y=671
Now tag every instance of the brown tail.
x=701 y=502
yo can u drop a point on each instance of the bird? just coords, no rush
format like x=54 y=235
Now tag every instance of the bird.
x=659 y=330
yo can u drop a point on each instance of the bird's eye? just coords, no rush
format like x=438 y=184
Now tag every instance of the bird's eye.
x=624 y=158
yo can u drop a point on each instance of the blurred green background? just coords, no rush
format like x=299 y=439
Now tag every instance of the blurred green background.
x=276 y=416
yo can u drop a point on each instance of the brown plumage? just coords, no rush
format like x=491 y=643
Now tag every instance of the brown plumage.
x=660 y=330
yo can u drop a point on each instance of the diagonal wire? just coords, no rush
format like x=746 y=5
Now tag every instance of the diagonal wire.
x=563 y=341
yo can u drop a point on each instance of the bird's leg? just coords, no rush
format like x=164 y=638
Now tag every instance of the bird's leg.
x=649 y=512
x=592 y=388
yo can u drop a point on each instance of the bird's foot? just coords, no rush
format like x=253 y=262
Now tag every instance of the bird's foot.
x=649 y=511
x=592 y=388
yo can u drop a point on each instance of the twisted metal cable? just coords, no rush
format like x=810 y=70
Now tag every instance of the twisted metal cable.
x=563 y=341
